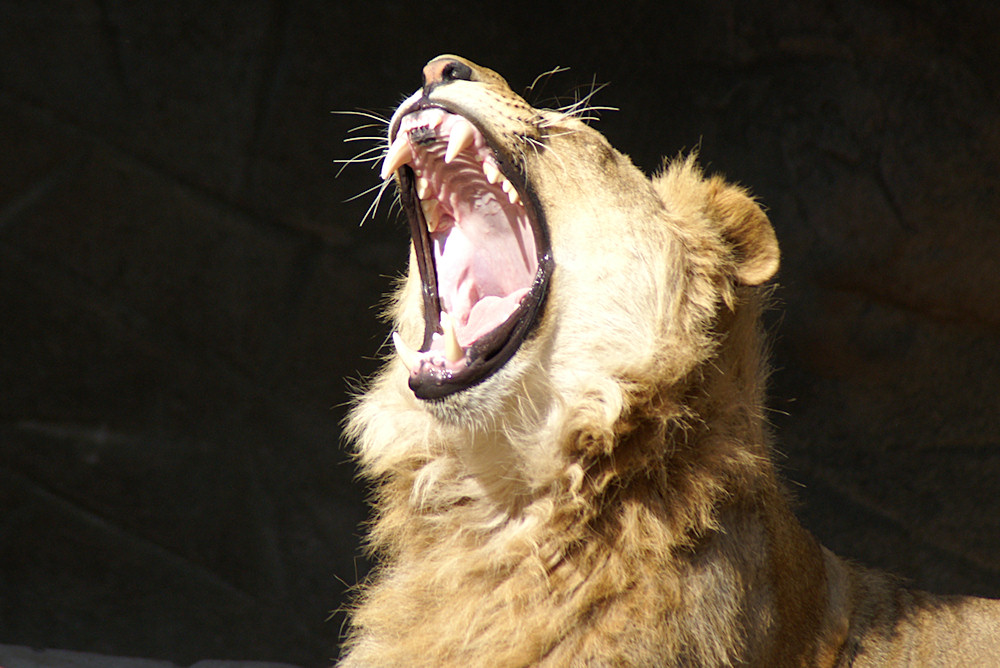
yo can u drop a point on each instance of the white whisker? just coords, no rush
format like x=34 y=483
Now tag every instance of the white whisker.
x=364 y=114
x=555 y=70
x=377 y=186
x=562 y=133
x=366 y=126
x=377 y=138
x=538 y=145
x=359 y=157
x=372 y=156
x=595 y=108
x=396 y=203
x=581 y=109
x=373 y=208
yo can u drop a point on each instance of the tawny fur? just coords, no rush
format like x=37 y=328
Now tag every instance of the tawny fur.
x=608 y=498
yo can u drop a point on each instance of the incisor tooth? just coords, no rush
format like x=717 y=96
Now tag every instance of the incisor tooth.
x=462 y=134
x=398 y=155
x=409 y=357
x=423 y=187
x=452 y=348
x=491 y=172
x=432 y=213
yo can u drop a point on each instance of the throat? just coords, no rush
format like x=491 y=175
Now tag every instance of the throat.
x=484 y=267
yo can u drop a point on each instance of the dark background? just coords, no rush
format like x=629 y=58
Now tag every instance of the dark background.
x=185 y=298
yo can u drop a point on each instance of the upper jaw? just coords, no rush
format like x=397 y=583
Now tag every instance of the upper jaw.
x=480 y=244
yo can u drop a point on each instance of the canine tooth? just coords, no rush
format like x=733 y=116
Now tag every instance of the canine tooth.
x=432 y=213
x=491 y=172
x=462 y=134
x=423 y=187
x=398 y=155
x=452 y=348
x=409 y=357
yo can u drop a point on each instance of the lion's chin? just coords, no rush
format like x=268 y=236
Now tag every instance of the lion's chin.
x=480 y=244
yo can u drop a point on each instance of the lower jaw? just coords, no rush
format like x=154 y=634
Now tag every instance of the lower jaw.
x=489 y=353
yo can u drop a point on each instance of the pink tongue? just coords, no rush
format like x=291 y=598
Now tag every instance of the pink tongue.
x=487 y=314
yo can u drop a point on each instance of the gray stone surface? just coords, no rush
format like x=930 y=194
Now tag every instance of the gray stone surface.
x=26 y=657
x=186 y=299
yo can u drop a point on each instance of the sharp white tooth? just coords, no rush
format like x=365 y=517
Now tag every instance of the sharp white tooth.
x=423 y=187
x=432 y=213
x=452 y=348
x=461 y=137
x=409 y=357
x=511 y=191
x=398 y=155
x=434 y=117
x=491 y=172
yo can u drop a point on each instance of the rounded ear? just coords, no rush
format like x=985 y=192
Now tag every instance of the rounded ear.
x=747 y=230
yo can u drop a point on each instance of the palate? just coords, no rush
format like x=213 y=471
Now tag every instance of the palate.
x=423 y=136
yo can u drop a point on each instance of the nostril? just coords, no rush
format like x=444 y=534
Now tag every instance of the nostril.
x=444 y=70
x=455 y=70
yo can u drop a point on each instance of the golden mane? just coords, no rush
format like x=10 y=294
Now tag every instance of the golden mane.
x=605 y=496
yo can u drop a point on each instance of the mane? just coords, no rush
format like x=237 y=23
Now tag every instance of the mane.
x=578 y=490
x=590 y=480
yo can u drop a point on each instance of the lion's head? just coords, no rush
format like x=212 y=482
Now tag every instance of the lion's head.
x=538 y=246
x=577 y=362
x=569 y=447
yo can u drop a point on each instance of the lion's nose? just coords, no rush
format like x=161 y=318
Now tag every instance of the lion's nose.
x=443 y=69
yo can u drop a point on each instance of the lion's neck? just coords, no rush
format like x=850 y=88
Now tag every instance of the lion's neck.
x=480 y=533
x=571 y=462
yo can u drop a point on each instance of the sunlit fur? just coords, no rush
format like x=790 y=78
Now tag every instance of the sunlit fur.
x=608 y=498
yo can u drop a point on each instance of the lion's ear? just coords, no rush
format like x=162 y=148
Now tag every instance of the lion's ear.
x=747 y=229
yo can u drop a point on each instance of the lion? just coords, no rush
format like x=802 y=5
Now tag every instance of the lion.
x=568 y=445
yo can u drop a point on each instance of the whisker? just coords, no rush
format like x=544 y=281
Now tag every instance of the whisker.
x=546 y=75
x=396 y=203
x=360 y=159
x=372 y=155
x=600 y=108
x=365 y=126
x=538 y=145
x=378 y=186
x=576 y=107
x=364 y=113
x=356 y=161
x=594 y=89
x=373 y=208
x=374 y=149
x=581 y=109
x=378 y=138
x=588 y=118
x=562 y=133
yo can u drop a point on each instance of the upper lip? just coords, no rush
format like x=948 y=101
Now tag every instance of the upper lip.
x=481 y=246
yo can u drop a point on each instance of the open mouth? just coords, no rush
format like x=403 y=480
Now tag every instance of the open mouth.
x=482 y=249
